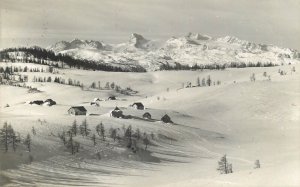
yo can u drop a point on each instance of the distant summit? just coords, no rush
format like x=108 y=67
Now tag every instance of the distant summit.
x=138 y=40
x=76 y=43
x=197 y=36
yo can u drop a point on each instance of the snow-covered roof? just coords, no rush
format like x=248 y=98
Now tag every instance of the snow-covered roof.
x=81 y=108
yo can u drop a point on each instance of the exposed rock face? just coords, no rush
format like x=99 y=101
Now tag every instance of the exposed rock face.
x=138 y=40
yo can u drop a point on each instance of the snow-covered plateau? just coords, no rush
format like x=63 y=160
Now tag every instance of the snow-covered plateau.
x=246 y=120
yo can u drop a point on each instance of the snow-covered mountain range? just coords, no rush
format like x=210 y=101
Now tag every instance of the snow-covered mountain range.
x=189 y=50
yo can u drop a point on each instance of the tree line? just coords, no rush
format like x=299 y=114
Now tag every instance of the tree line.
x=59 y=80
x=201 y=83
x=127 y=137
x=215 y=66
x=113 y=86
x=94 y=85
x=249 y=64
x=42 y=56
x=11 y=70
x=225 y=167
x=178 y=66
x=10 y=138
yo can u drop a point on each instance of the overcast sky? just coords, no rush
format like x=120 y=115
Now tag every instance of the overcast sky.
x=43 y=22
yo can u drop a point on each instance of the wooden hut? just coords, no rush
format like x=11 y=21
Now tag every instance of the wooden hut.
x=166 y=119
x=138 y=106
x=147 y=115
x=117 y=113
x=77 y=110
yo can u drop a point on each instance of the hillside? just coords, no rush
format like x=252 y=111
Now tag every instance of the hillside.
x=243 y=119
x=42 y=56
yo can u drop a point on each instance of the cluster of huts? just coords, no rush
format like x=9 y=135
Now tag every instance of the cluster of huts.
x=118 y=113
x=47 y=102
x=80 y=110
x=96 y=100
x=109 y=98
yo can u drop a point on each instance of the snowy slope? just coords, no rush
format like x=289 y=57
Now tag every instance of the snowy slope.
x=191 y=49
x=245 y=120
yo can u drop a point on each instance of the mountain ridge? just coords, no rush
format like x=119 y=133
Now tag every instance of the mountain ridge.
x=194 y=48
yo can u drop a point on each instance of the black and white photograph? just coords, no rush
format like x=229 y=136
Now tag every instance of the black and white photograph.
x=149 y=93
